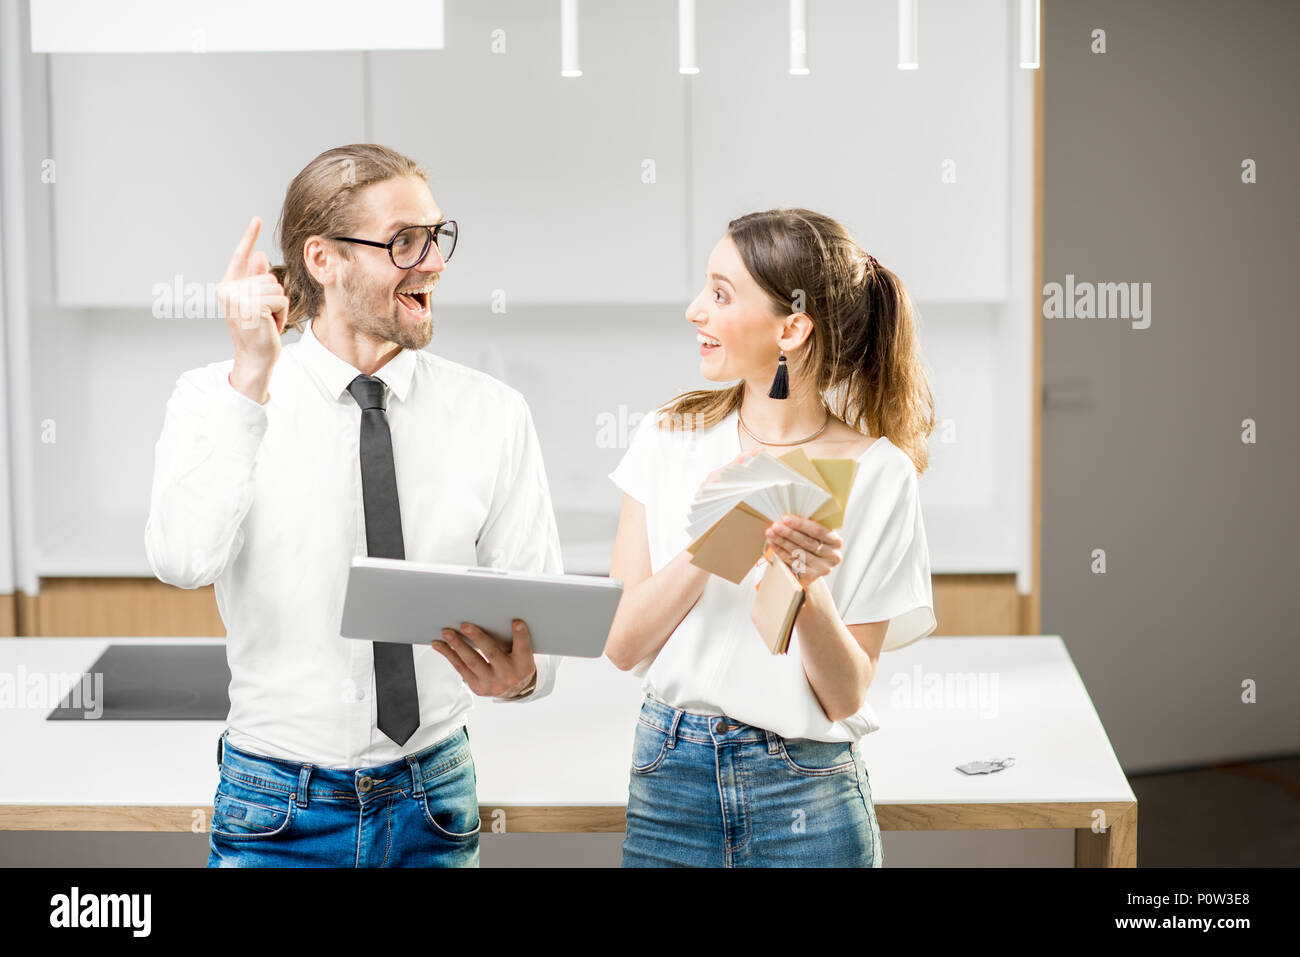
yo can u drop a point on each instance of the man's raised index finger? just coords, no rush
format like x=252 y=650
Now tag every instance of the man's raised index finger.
x=238 y=266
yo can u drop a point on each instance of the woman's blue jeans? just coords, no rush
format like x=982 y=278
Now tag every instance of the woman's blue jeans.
x=421 y=811
x=708 y=791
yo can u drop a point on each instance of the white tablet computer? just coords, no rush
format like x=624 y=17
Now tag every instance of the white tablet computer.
x=389 y=599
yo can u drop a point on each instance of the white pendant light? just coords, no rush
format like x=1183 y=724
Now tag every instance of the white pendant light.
x=686 y=37
x=569 y=38
x=907 y=20
x=1030 y=13
x=798 y=38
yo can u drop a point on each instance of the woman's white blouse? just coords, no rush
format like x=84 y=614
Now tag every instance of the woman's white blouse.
x=716 y=661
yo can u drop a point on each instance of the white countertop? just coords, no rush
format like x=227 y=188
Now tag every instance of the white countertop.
x=573 y=748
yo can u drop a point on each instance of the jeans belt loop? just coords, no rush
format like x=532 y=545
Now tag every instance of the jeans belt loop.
x=303 y=777
x=672 y=728
x=773 y=742
x=417 y=779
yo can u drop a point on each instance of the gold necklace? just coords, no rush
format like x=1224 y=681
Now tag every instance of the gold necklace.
x=800 y=442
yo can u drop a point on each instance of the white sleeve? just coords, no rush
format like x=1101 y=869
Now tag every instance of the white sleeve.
x=520 y=531
x=888 y=558
x=203 y=478
x=633 y=472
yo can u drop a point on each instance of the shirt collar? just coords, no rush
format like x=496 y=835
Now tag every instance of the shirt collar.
x=334 y=374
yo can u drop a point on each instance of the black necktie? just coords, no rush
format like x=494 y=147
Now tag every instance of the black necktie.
x=397 y=704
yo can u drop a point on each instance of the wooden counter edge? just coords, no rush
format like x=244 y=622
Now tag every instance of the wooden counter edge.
x=1105 y=831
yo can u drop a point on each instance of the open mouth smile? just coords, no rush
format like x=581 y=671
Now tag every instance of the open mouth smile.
x=416 y=300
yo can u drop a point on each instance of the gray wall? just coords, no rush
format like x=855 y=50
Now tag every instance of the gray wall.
x=1142 y=449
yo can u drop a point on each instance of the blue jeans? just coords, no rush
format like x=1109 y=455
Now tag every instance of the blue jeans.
x=421 y=811
x=708 y=791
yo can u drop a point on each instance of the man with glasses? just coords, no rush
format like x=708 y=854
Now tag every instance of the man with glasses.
x=273 y=471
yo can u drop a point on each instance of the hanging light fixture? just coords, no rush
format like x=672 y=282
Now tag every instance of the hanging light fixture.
x=569 y=38
x=686 y=37
x=1030 y=13
x=798 y=38
x=907 y=20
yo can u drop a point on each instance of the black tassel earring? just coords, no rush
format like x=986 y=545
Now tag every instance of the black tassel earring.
x=781 y=384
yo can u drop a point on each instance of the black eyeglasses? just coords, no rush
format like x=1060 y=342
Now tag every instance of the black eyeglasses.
x=411 y=244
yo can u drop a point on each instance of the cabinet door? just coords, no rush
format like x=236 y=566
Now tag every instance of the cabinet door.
x=859 y=139
x=567 y=190
x=161 y=159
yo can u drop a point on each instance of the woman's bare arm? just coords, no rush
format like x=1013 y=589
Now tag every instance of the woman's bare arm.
x=653 y=605
x=839 y=660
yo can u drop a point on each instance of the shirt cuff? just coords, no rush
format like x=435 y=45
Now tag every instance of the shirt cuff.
x=235 y=422
x=546 y=665
x=230 y=380
x=524 y=692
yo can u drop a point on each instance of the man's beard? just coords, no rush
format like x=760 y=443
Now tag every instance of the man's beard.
x=376 y=312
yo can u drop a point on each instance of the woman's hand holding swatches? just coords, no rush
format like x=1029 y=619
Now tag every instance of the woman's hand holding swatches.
x=809 y=548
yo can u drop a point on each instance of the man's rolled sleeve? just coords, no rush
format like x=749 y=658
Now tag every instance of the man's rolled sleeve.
x=203 y=478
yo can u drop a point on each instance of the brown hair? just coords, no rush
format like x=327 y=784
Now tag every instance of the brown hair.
x=861 y=355
x=322 y=200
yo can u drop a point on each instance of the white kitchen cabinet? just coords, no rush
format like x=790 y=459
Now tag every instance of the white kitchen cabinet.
x=160 y=161
x=859 y=139
x=610 y=187
x=567 y=190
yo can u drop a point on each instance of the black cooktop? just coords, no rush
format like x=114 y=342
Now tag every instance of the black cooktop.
x=152 y=683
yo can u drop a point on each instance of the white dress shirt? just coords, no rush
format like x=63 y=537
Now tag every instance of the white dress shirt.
x=716 y=662
x=266 y=501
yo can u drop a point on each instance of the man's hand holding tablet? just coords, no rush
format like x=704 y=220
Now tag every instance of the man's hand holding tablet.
x=488 y=665
x=500 y=619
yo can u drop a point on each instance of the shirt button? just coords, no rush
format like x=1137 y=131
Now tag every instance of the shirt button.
x=365 y=785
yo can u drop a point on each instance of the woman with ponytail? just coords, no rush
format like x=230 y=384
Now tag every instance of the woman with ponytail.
x=742 y=757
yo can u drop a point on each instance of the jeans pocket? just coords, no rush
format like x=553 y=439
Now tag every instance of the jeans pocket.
x=450 y=802
x=818 y=758
x=649 y=748
x=242 y=813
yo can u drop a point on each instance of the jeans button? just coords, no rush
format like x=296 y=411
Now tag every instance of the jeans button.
x=722 y=727
x=364 y=784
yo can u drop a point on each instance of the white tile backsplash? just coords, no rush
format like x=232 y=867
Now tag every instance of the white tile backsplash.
x=586 y=372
